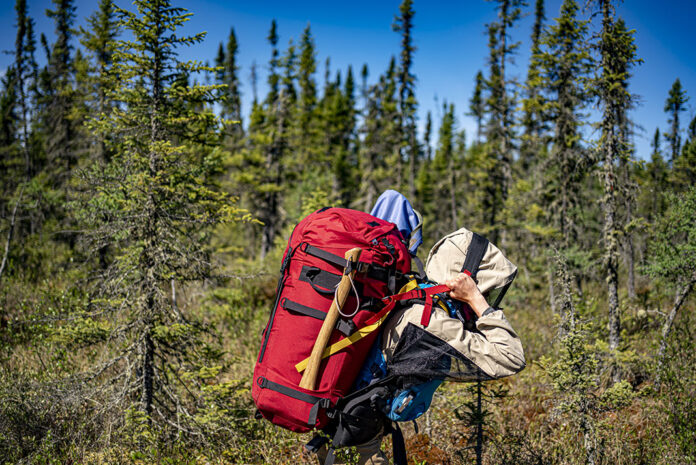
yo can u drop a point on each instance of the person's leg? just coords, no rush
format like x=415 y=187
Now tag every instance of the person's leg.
x=369 y=453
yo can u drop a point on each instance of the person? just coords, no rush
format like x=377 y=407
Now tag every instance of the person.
x=491 y=349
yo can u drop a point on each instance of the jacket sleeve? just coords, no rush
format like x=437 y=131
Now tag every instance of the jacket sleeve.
x=495 y=348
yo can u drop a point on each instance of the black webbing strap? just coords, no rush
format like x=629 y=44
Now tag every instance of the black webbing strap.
x=317 y=402
x=264 y=383
x=474 y=254
x=324 y=255
x=398 y=445
x=346 y=327
x=316 y=443
x=314 y=412
x=421 y=268
x=376 y=272
x=330 y=457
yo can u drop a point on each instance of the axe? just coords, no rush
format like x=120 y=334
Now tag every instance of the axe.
x=309 y=378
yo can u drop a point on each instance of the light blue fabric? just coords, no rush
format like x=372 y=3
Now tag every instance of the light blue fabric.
x=394 y=207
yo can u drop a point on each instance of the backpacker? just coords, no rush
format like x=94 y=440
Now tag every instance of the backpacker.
x=311 y=268
x=423 y=343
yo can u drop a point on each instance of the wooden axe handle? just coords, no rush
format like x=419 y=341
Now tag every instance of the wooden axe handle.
x=309 y=378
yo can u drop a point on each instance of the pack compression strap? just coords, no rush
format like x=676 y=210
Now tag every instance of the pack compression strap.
x=378 y=318
x=428 y=308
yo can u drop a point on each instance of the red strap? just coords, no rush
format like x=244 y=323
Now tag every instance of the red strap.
x=428 y=308
x=390 y=301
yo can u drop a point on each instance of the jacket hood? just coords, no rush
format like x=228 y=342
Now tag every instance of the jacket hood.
x=446 y=260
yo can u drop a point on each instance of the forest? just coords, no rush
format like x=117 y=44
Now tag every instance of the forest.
x=143 y=218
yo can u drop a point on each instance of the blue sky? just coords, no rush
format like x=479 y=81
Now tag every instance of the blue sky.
x=449 y=35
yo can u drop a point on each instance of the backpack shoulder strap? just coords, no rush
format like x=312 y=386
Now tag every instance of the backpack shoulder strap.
x=474 y=254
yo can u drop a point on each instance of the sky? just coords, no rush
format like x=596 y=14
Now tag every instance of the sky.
x=449 y=36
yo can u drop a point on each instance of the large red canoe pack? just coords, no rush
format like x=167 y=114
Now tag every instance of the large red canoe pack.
x=312 y=266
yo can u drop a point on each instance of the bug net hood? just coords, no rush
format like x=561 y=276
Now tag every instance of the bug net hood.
x=448 y=348
x=495 y=273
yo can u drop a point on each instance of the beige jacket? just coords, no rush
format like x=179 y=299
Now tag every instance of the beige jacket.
x=495 y=349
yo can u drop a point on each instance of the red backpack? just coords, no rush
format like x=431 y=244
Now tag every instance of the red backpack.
x=312 y=267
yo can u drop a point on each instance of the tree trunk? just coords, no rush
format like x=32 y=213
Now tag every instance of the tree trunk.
x=631 y=268
x=10 y=232
x=669 y=321
x=148 y=372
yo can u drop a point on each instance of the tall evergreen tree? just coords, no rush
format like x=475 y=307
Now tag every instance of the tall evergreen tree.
x=499 y=130
x=275 y=127
x=231 y=96
x=59 y=96
x=154 y=205
x=618 y=56
x=566 y=64
x=532 y=122
x=25 y=75
x=407 y=97
x=674 y=105
x=99 y=41
x=477 y=104
x=684 y=172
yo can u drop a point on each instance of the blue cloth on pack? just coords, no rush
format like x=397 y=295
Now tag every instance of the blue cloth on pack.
x=395 y=208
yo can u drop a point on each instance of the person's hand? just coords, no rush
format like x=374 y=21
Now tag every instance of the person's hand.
x=462 y=287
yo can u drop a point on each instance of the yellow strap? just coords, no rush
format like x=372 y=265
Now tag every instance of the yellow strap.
x=343 y=343
x=359 y=334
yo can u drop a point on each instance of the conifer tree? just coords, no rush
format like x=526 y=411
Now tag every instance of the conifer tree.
x=618 y=56
x=99 y=41
x=426 y=136
x=684 y=173
x=674 y=105
x=657 y=178
x=25 y=76
x=444 y=176
x=477 y=104
x=59 y=95
x=154 y=204
x=532 y=122
x=231 y=96
x=380 y=147
x=499 y=105
x=672 y=255
x=275 y=125
x=407 y=97
x=566 y=62
x=308 y=89
x=11 y=160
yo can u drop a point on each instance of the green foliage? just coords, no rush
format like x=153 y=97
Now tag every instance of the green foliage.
x=673 y=246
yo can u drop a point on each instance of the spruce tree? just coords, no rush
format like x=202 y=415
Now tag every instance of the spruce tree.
x=154 y=205
x=99 y=41
x=231 y=107
x=25 y=77
x=443 y=169
x=533 y=119
x=275 y=125
x=477 y=104
x=618 y=56
x=674 y=105
x=308 y=90
x=657 y=183
x=566 y=63
x=684 y=172
x=59 y=96
x=407 y=97
x=499 y=105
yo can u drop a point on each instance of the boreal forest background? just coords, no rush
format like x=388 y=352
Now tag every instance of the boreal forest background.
x=142 y=222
